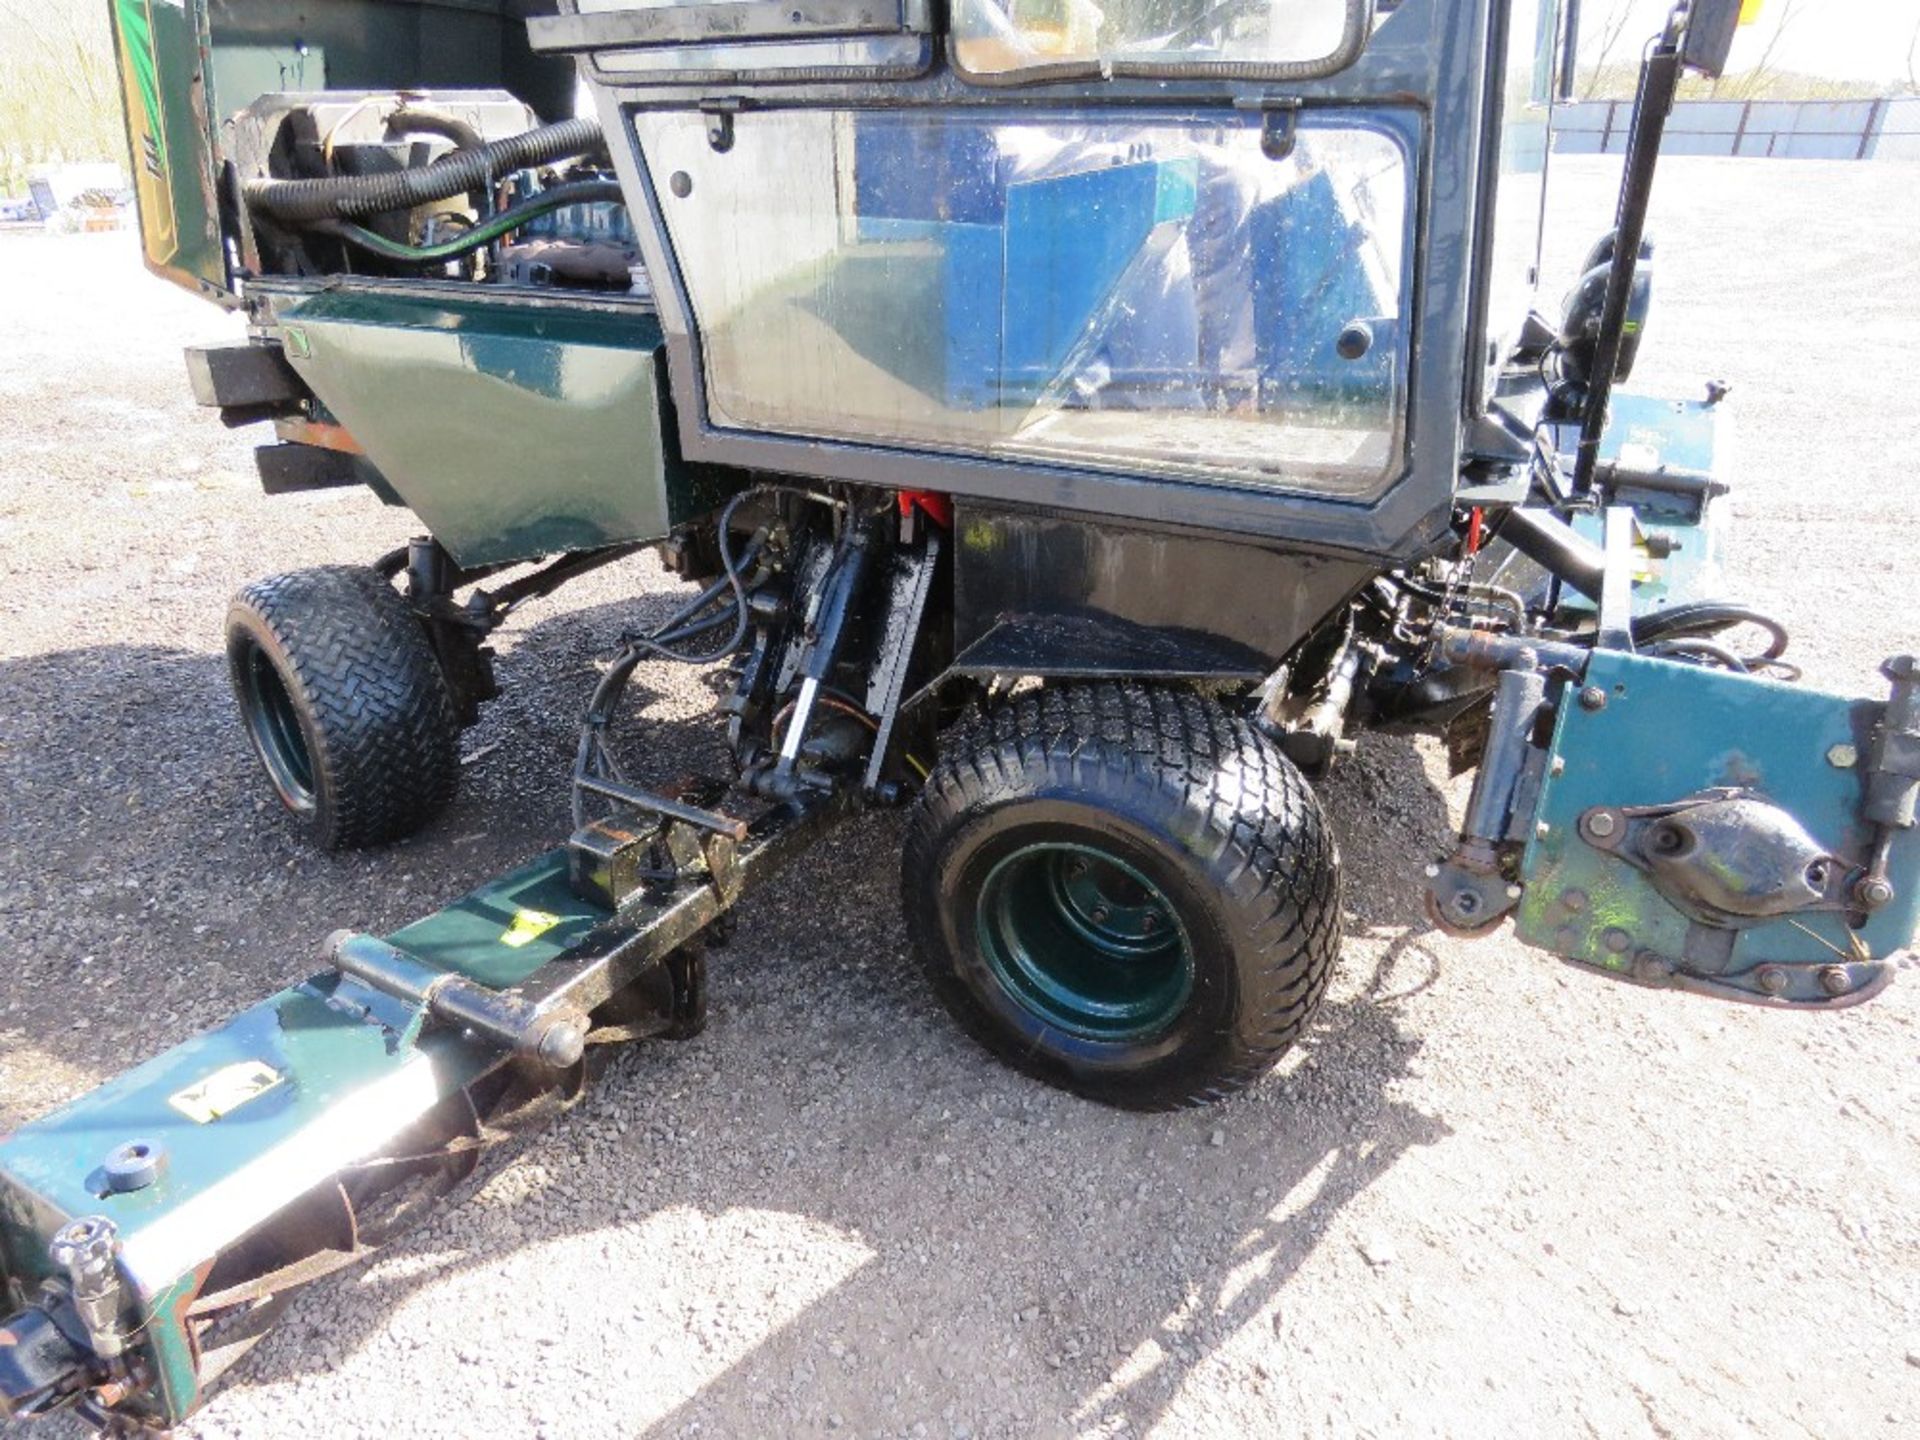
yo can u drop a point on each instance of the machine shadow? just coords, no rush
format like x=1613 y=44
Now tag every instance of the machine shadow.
x=1139 y=1246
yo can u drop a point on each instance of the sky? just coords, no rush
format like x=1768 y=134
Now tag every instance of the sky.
x=1838 y=39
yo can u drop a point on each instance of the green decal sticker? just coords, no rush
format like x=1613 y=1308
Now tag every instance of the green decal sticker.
x=136 y=36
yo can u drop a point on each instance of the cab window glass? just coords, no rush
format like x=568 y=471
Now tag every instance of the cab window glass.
x=1533 y=29
x=1011 y=38
x=788 y=57
x=1155 y=295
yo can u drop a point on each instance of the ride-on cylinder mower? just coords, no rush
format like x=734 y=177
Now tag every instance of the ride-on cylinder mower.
x=1072 y=423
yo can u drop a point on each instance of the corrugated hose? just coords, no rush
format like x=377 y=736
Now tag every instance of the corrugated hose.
x=340 y=197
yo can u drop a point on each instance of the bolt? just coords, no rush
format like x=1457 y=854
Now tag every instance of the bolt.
x=1617 y=940
x=1653 y=969
x=1542 y=830
x=1771 y=979
x=1558 y=767
x=1593 y=698
x=1575 y=900
x=1101 y=914
x=1835 y=980
x=1874 y=892
x=1843 y=757
x=1601 y=824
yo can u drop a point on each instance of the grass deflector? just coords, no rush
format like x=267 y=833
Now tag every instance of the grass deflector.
x=1072 y=424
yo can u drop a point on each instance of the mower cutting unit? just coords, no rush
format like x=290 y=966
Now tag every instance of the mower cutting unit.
x=1073 y=423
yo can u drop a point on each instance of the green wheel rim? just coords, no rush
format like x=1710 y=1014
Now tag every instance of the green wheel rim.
x=275 y=727
x=1083 y=941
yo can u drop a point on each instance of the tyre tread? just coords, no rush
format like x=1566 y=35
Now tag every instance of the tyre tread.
x=388 y=736
x=1257 y=826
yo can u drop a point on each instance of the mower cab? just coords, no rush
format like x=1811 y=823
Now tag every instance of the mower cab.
x=1077 y=423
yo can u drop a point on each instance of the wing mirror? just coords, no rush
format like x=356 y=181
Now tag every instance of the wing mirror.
x=1710 y=29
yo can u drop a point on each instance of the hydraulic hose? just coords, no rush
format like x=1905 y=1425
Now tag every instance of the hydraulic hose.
x=340 y=197
x=420 y=120
x=485 y=233
x=1702 y=619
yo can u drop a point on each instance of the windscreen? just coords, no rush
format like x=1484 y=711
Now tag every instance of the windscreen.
x=1169 y=37
x=1154 y=294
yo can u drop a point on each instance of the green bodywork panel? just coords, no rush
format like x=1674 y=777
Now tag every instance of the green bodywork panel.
x=469 y=936
x=1668 y=731
x=512 y=428
x=346 y=1084
x=159 y=45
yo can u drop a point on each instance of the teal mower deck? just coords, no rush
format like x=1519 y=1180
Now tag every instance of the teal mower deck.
x=1072 y=424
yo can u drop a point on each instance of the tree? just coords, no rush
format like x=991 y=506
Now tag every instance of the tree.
x=1753 y=85
x=59 y=90
x=1607 y=39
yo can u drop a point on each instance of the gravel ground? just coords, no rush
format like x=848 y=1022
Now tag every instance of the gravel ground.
x=1487 y=1196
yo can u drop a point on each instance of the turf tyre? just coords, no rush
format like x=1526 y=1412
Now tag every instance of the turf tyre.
x=1202 y=810
x=345 y=704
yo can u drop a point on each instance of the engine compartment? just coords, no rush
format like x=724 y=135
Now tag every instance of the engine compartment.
x=464 y=185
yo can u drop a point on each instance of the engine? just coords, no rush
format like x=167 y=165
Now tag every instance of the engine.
x=464 y=185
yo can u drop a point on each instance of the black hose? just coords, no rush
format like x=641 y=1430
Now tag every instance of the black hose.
x=435 y=122
x=1702 y=619
x=337 y=197
x=577 y=192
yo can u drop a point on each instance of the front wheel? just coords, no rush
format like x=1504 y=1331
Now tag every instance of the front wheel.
x=1125 y=891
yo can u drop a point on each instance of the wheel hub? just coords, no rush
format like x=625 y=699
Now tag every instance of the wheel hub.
x=1082 y=940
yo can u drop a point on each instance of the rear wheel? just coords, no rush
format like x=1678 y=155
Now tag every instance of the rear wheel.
x=1126 y=891
x=344 y=703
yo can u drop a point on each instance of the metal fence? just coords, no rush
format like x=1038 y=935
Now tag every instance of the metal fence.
x=1793 y=129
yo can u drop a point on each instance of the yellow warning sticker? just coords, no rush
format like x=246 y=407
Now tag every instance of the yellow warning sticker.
x=225 y=1091
x=527 y=926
